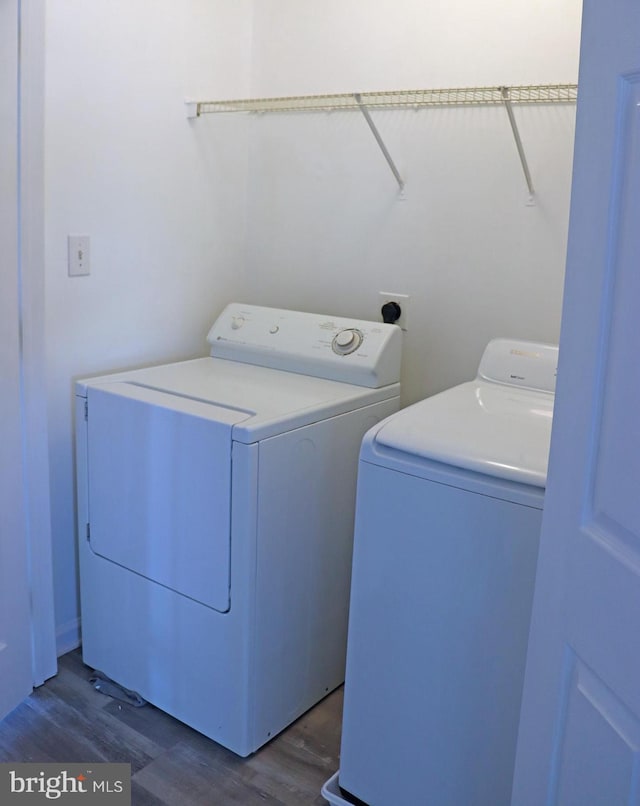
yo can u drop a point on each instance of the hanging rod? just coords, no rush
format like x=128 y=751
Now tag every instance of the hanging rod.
x=529 y=94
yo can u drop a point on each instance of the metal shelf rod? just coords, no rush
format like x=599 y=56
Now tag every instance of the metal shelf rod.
x=517 y=138
x=379 y=141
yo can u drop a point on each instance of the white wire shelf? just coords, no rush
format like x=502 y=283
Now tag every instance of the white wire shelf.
x=416 y=99
x=469 y=96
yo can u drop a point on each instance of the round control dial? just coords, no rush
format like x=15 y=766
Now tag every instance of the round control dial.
x=346 y=341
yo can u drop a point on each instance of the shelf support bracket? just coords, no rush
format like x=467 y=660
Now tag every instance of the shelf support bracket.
x=192 y=108
x=379 y=140
x=516 y=134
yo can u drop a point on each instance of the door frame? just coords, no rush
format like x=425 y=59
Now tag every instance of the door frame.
x=31 y=246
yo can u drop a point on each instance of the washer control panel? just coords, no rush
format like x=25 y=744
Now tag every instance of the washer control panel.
x=529 y=364
x=350 y=350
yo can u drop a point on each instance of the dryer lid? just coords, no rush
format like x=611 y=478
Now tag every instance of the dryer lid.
x=491 y=428
x=259 y=402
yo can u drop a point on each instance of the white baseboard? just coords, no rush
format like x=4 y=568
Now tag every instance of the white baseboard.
x=68 y=637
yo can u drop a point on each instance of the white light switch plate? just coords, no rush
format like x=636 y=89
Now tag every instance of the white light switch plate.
x=79 y=255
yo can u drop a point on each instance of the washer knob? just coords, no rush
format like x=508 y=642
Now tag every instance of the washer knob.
x=237 y=322
x=346 y=341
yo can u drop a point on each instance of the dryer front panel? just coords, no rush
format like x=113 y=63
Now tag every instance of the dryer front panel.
x=159 y=484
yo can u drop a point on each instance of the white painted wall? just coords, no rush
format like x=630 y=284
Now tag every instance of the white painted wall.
x=162 y=199
x=326 y=230
x=297 y=210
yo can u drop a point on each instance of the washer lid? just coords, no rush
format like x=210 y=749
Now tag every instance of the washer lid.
x=490 y=428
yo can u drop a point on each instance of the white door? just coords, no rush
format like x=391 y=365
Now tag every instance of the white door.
x=579 y=742
x=15 y=623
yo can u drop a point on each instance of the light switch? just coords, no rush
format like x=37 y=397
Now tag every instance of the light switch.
x=79 y=255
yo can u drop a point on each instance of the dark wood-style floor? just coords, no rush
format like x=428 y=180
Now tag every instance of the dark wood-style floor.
x=66 y=720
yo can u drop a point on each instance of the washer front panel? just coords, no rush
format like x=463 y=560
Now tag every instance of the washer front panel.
x=440 y=607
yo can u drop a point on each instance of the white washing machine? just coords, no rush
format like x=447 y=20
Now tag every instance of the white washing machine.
x=448 y=516
x=215 y=510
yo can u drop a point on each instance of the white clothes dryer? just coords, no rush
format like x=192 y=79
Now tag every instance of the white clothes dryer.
x=448 y=516
x=215 y=510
